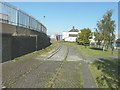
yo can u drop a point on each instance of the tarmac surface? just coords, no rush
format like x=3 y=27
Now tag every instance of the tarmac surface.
x=64 y=68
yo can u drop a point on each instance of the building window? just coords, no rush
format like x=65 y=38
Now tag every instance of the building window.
x=72 y=35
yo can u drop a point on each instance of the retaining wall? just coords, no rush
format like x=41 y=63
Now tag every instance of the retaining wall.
x=6 y=47
x=17 y=45
x=22 y=45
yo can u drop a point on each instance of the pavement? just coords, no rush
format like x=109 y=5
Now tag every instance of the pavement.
x=89 y=82
x=64 y=68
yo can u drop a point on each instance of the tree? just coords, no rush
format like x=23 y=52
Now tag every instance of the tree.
x=98 y=38
x=83 y=37
x=106 y=27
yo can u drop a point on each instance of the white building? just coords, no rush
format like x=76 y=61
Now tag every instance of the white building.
x=71 y=35
x=53 y=38
x=92 y=40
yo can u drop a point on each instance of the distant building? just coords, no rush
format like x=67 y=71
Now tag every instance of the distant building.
x=117 y=44
x=71 y=35
x=53 y=36
x=92 y=39
x=59 y=37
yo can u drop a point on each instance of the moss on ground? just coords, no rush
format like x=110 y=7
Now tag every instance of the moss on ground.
x=105 y=72
x=91 y=51
x=52 y=47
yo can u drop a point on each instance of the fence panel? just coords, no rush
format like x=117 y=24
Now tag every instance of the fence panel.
x=11 y=15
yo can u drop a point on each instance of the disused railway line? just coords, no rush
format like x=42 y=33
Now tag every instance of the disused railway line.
x=55 y=71
x=11 y=82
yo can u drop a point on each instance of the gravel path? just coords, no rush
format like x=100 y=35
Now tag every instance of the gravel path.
x=18 y=73
x=59 y=56
x=14 y=69
x=38 y=78
x=60 y=70
x=73 y=54
x=69 y=76
x=88 y=81
x=87 y=76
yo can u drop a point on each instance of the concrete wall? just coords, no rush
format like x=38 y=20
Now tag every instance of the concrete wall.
x=6 y=47
x=43 y=41
x=24 y=42
x=12 y=29
x=0 y=43
x=21 y=30
x=22 y=45
x=8 y=29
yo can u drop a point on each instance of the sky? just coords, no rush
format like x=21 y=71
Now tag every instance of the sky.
x=62 y=16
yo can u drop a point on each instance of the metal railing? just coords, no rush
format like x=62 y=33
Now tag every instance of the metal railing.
x=14 y=16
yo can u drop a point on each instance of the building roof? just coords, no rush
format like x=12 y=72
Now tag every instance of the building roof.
x=74 y=30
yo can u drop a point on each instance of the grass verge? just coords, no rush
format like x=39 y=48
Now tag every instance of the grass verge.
x=51 y=48
x=91 y=51
x=105 y=71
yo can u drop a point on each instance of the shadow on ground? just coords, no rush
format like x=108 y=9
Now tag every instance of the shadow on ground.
x=94 y=48
x=111 y=72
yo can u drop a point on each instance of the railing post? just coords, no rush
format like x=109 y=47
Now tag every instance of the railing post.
x=17 y=17
x=17 y=20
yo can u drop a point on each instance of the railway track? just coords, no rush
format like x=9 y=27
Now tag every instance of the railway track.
x=50 y=72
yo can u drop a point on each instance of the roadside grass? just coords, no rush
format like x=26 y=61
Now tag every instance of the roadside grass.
x=105 y=71
x=91 y=51
x=50 y=48
x=97 y=74
x=72 y=75
x=96 y=52
x=78 y=71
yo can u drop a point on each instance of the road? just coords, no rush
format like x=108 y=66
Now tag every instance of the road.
x=61 y=69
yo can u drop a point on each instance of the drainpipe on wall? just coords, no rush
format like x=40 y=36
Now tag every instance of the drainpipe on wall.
x=36 y=40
